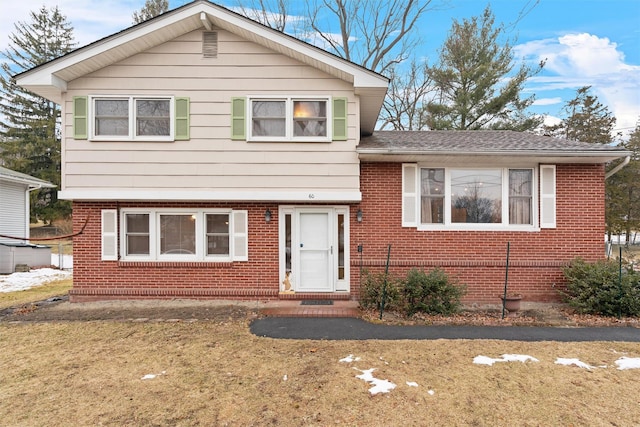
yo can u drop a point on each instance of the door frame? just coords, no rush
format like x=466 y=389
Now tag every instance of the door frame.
x=338 y=218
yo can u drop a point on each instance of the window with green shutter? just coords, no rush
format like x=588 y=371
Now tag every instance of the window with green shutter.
x=287 y=119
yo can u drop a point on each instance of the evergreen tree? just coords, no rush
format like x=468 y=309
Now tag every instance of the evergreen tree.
x=587 y=120
x=30 y=137
x=623 y=192
x=476 y=88
x=151 y=9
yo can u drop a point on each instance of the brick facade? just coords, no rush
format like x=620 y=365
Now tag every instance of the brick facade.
x=477 y=258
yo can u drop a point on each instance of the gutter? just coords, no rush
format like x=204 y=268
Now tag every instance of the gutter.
x=617 y=168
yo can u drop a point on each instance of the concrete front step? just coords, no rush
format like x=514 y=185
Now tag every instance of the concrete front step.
x=296 y=309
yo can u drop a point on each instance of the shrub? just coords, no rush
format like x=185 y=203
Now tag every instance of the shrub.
x=593 y=288
x=432 y=293
x=371 y=291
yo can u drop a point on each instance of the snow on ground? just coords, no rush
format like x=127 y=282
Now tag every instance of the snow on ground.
x=577 y=362
x=484 y=360
x=379 y=386
x=628 y=363
x=38 y=277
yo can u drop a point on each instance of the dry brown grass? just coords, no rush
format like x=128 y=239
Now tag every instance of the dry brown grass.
x=39 y=293
x=218 y=374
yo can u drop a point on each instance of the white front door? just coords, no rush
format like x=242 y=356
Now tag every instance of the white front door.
x=315 y=250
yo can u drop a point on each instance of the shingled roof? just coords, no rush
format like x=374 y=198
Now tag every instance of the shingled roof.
x=416 y=145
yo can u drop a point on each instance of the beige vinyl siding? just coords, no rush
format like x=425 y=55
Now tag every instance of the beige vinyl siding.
x=210 y=160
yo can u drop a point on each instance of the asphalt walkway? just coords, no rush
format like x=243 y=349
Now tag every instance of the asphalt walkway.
x=358 y=329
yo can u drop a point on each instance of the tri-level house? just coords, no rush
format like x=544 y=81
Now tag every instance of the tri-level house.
x=209 y=156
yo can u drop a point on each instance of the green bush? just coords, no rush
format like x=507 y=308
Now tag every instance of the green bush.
x=371 y=291
x=432 y=293
x=593 y=288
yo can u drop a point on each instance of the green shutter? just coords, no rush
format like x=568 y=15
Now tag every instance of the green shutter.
x=339 y=119
x=80 y=117
x=238 y=111
x=182 y=119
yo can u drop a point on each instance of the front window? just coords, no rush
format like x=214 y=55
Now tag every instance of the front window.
x=476 y=196
x=177 y=234
x=283 y=119
x=309 y=118
x=153 y=117
x=487 y=197
x=131 y=118
x=217 y=234
x=137 y=234
x=184 y=234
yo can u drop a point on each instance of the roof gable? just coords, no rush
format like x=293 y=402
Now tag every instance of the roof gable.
x=50 y=79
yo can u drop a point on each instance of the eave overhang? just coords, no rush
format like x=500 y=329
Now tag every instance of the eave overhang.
x=497 y=157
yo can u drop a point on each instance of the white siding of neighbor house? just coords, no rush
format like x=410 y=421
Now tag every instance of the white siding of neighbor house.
x=13 y=211
x=210 y=160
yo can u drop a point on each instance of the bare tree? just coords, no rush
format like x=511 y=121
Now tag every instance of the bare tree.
x=409 y=90
x=376 y=34
x=272 y=13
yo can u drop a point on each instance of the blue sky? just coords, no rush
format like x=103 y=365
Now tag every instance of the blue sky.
x=585 y=42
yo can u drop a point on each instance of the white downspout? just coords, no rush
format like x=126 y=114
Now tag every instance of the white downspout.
x=617 y=168
x=27 y=201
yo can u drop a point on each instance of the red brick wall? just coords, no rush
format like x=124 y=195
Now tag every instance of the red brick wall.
x=94 y=279
x=478 y=258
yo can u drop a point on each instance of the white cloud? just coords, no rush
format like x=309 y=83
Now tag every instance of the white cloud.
x=548 y=101
x=576 y=60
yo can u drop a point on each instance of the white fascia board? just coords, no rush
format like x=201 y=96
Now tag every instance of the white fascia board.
x=247 y=196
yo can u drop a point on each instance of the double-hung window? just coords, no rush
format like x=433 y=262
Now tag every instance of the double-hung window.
x=277 y=119
x=132 y=118
x=438 y=198
x=184 y=235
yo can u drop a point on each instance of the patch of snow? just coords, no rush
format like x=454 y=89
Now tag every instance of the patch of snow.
x=152 y=376
x=412 y=384
x=21 y=281
x=350 y=358
x=577 y=362
x=628 y=363
x=484 y=360
x=379 y=386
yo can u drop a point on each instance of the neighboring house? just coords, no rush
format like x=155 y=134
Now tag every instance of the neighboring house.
x=213 y=157
x=14 y=222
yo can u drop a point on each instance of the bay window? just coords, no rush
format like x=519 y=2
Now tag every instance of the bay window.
x=439 y=198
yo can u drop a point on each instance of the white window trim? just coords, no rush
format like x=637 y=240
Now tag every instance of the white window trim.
x=154 y=235
x=288 y=118
x=132 y=119
x=455 y=226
